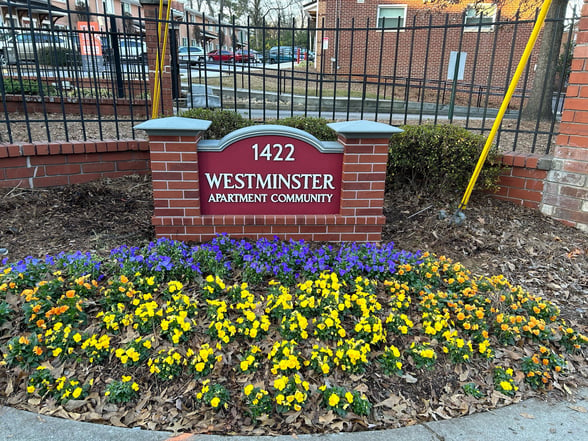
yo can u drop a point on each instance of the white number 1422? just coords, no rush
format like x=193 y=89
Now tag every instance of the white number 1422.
x=274 y=152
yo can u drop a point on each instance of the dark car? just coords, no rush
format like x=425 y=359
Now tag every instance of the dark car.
x=280 y=54
x=221 y=56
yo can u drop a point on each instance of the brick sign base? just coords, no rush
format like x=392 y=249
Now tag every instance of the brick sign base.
x=175 y=147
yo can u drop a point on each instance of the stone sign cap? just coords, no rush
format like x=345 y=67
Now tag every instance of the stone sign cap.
x=174 y=125
x=364 y=129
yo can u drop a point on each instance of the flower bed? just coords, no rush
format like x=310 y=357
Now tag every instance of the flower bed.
x=234 y=336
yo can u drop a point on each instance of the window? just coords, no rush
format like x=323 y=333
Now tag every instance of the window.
x=480 y=16
x=108 y=6
x=126 y=8
x=391 y=17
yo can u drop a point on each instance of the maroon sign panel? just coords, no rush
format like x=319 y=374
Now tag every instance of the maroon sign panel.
x=269 y=170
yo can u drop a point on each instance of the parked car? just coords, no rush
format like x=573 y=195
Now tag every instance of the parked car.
x=222 y=56
x=288 y=54
x=129 y=49
x=191 y=55
x=26 y=46
x=280 y=54
x=246 y=56
x=133 y=49
x=106 y=49
x=4 y=36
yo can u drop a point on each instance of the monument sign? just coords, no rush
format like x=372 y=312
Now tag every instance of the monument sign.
x=270 y=170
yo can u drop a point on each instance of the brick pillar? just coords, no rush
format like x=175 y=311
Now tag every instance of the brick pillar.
x=174 y=173
x=364 y=175
x=151 y=14
x=565 y=196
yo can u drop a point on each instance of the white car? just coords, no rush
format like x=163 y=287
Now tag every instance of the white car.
x=26 y=46
x=191 y=55
x=132 y=49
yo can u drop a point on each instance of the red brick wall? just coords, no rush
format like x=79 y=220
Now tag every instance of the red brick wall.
x=522 y=182
x=566 y=187
x=106 y=106
x=176 y=190
x=45 y=165
x=174 y=163
x=427 y=46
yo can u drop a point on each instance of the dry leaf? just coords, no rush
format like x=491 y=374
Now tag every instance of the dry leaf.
x=75 y=416
x=390 y=402
x=34 y=401
x=578 y=409
x=527 y=415
x=115 y=421
x=9 y=387
x=362 y=388
x=93 y=416
x=441 y=412
x=72 y=405
x=575 y=253
x=293 y=417
x=409 y=378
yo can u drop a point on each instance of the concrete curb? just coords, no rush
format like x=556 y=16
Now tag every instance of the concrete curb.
x=532 y=420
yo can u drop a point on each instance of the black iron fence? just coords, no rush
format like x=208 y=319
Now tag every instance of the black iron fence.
x=436 y=68
x=74 y=81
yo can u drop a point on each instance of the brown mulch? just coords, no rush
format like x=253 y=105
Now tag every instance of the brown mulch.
x=545 y=256
x=530 y=249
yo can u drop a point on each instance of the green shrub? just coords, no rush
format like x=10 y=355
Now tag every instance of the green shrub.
x=26 y=87
x=223 y=121
x=439 y=159
x=315 y=126
x=59 y=57
x=226 y=121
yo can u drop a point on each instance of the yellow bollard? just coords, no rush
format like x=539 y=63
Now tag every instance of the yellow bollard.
x=503 y=107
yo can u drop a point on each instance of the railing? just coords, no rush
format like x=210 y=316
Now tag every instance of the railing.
x=410 y=75
x=72 y=84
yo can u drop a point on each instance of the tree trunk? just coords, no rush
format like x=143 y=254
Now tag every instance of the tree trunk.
x=539 y=105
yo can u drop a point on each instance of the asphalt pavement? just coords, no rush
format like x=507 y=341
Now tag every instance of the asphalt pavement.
x=531 y=420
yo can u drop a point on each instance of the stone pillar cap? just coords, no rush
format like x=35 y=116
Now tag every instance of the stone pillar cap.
x=174 y=125
x=364 y=129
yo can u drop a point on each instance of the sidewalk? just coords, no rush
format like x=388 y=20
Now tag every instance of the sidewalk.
x=532 y=420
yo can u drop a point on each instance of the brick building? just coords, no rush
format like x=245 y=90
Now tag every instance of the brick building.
x=193 y=26
x=372 y=36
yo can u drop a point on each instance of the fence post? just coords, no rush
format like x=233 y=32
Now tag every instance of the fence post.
x=565 y=196
x=151 y=9
x=115 y=57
